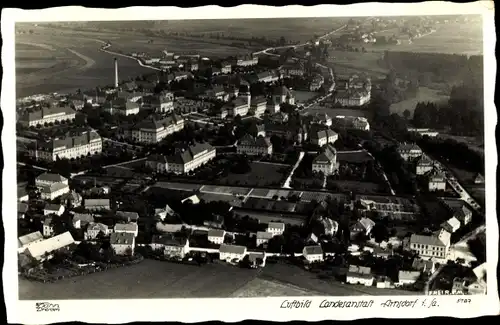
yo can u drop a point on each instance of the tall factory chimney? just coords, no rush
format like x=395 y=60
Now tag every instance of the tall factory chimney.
x=116 y=73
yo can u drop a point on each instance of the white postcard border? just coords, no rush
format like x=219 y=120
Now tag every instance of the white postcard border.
x=236 y=309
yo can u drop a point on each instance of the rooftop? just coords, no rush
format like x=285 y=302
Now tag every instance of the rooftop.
x=122 y=238
x=232 y=249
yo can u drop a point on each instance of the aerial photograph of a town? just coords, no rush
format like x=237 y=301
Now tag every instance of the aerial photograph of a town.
x=226 y=158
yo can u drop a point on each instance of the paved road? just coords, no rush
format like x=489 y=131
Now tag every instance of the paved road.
x=289 y=179
x=105 y=49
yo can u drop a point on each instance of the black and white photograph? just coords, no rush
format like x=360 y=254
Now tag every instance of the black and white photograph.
x=285 y=157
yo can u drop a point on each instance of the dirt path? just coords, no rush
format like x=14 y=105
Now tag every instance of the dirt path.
x=89 y=62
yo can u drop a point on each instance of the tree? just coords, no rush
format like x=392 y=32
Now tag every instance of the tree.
x=407 y=114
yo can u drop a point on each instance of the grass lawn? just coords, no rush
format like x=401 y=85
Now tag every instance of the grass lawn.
x=260 y=175
x=150 y=279
x=353 y=157
x=424 y=95
x=356 y=62
x=265 y=288
x=355 y=186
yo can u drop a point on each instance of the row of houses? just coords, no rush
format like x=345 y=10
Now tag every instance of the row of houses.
x=153 y=129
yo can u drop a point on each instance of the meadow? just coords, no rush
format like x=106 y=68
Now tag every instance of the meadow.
x=424 y=94
x=450 y=38
x=346 y=63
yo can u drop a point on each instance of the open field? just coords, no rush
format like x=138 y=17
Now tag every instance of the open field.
x=260 y=175
x=424 y=94
x=265 y=288
x=75 y=63
x=149 y=279
x=354 y=186
x=155 y=279
x=332 y=112
x=345 y=63
x=459 y=38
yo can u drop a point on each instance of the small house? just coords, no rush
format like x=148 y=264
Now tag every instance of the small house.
x=80 y=220
x=276 y=228
x=359 y=275
x=56 y=209
x=257 y=259
x=216 y=236
x=262 y=237
x=230 y=253
x=313 y=254
x=94 y=229
x=407 y=277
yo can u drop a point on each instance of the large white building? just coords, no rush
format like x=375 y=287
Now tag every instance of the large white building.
x=131 y=228
x=250 y=145
x=262 y=237
x=431 y=246
x=52 y=191
x=154 y=131
x=47 y=115
x=232 y=252
x=184 y=161
x=78 y=144
x=352 y=122
x=354 y=91
x=247 y=61
x=47 y=179
x=326 y=162
x=216 y=236
x=276 y=228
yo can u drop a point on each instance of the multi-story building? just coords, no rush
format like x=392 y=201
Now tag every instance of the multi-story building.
x=122 y=243
x=216 y=236
x=250 y=145
x=247 y=61
x=437 y=181
x=352 y=97
x=326 y=162
x=240 y=106
x=258 y=105
x=183 y=161
x=154 y=130
x=72 y=145
x=359 y=275
x=172 y=246
x=276 y=228
x=46 y=179
x=282 y=95
x=323 y=137
x=313 y=253
x=121 y=106
x=262 y=237
x=52 y=191
x=232 y=252
x=409 y=151
x=162 y=103
x=131 y=228
x=94 y=229
x=47 y=115
x=424 y=165
x=226 y=68
x=431 y=246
